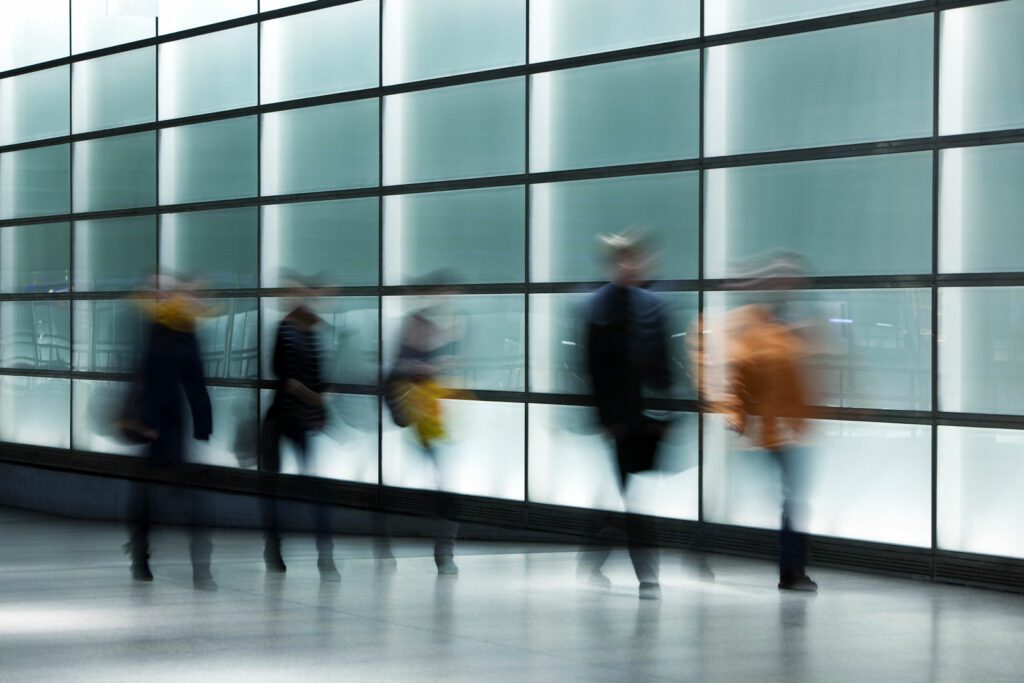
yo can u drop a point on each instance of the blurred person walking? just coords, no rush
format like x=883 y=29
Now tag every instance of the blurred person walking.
x=154 y=414
x=627 y=353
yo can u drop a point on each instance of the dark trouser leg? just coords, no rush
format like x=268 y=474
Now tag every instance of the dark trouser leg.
x=638 y=447
x=792 y=542
x=138 y=530
x=270 y=467
x=200 y=546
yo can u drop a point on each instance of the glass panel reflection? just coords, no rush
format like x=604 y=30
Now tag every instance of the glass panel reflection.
x=228 y=332
x=116 y=254
x=721 y=16
x=112 y=91
x=35 y=335
x=94 y=415
x=34 y=258
x=36 y=411
x=235 y=429
x=35 y=182
x=208 y=73
x=208 y=161
x=96 y=24
x=115 y=173
x=217 y=247
x=34 y=106
x=109 y=335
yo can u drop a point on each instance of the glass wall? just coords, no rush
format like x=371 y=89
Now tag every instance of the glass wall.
x=458 y=160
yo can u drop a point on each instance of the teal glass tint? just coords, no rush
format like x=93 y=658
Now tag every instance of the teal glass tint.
x=566 y=28
x=868 y=481
x=271 y=5
x=567 y=219
x=483 y=455
x=333 y=146
x=37 y=411
x=572 y=464
x=432 y=38
x=457 y=237
x=35 y=335
x=34 y=258
x=635 y=111
x=981 y=209
x=865 y=348
x=115 y=254
x=462 y=131
x=981 y=361
x=35 y=182
x=115 y=173
x=35 y=105
x=793 y=85
x=330 y=244
x=317 y=53
x=857 y=216
x=116 y=90
x=235 y=429
x=980 y=88
x=228 y=333
x=33 y=32
x=558 y=343
x=347 y=335
x=179 y=15
x=95 y=408
x=109 y=335
x=208 y=73
x=480 y=338
x=208 y=161
x=346 y=448
x=979 y=503
x=217 y=247
x=96 y=24
x=722 y=16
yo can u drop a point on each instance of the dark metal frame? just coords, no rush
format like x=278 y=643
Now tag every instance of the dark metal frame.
x=932 y=562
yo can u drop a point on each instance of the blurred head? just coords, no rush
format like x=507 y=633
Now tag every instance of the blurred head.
x=629 y=257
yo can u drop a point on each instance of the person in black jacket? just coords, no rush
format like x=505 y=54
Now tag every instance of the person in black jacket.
x=170 y=366
x=627 y=353
x=296 y=412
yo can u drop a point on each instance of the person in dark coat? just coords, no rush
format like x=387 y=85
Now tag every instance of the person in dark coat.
x=627 y=353
x=296 y=412
x=170 y=368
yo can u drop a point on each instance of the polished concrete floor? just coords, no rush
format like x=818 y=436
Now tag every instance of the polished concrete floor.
x=68 y=611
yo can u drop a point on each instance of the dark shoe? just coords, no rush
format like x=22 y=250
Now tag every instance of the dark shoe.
x=273 y=560
x=328 y=571
x=202 y=579
x=446 y=566
x=140 y=571
x=797 y=583
x=650 y=590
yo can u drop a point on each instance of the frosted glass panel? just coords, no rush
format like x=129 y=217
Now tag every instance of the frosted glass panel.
x=112 y=91
x=35 y=335
x=885 y=91
x=432 y=38
x=95 y=413
x=35 y=182
x=980 y=88
x=481 y=456
x=34 y=258
x=208 y=73
x=636 y=111
x=316 y=53
x=208 y=161
x=34 y=106
x=347 y=336
x=475 y=235
x=566 y=220
x=115 y=173
x=270 y=5
x=334 y=243
x=235 y=428
x=346 y=448
x=721 y=16
x=117 y=254
x=558 y=342
x=485 y=337
x=458 y=132
x=858 y=216
x=979 y=483
x=572 y=463
x=218 y=247
x=981 y=209
x=330 y=147
x=228 y=333
x=867 y=348
x=178 y=15
x=863 y=480
x=981 y=360
x=566 y=28
x=35 y=411
x=33 y=32
x=108 y=335
x=96 y=24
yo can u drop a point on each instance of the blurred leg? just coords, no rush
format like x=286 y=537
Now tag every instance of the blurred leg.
x=270 y=466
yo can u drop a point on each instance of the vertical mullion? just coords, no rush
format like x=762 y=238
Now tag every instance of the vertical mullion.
x=158 y=218
x=936 y=54
x=380 y=255
x=259 y=238
x=71 y=239
x=700 y=283
x=527 y=225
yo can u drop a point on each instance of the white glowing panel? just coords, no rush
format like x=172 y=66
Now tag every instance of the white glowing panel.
x=96 y=24
x=721 y=16
x=208 y=73
x=112 y=91
x=980 y=475
x=861 y=480
x=178 y=15
x=35 y=182
x=96 y=409
x=234 y=429
x=35 y=411
x=32 y=32
x=208 y=161
x=34 y=106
